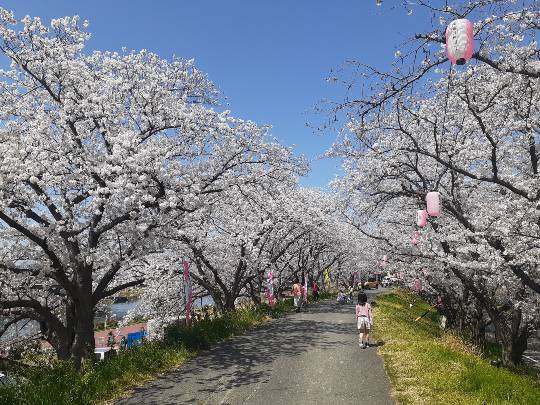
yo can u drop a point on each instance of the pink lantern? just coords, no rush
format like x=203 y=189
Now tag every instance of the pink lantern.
x=433 y=204
x=416 y=238
x=421 y=218
x=385 y=258
x=459 y=41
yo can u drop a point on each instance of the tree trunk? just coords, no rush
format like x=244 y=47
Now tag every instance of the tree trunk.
x=84 y=344
x=512 y=336
x=478 y=330
x=229 y=302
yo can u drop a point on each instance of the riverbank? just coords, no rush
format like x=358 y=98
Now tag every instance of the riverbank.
x=429 y=366
x=60 y=384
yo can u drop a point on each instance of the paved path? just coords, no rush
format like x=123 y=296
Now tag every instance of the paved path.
x=307 y=358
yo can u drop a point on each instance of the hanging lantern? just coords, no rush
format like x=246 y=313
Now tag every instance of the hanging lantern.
x=421 y=218
x=433 y=204
x=385 y=258
x=416 y=238
x=459 y=41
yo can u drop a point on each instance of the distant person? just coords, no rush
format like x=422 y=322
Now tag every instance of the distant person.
x=341 y=298
x=364 y=320
x=111 y=341
x=315 y=290
x=123 y=343
x=297 y=294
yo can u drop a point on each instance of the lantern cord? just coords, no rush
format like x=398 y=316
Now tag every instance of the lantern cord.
x=446 y=100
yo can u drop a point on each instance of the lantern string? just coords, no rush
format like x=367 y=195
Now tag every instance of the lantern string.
x=448 y=82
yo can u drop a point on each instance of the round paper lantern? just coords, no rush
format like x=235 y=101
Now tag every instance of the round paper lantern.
x=416 y=238
x=421 y=218
x=459 y=41
x=433 y=204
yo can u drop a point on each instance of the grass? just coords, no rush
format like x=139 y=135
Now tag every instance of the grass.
x=61 y=384
x=429 y=366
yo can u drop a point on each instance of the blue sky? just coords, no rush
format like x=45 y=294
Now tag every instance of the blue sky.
x=269 y=58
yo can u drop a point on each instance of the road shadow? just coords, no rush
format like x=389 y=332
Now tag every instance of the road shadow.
x=246 y=360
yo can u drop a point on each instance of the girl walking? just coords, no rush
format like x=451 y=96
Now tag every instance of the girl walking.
x=364 y=320
x=297 y=294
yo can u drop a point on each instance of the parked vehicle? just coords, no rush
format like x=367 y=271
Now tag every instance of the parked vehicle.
x=371 y=283
x=6 y=379
x=104 y=353
x=389 y=281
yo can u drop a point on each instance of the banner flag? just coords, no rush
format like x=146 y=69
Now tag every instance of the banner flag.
x=305 y=286
x=188 y=291
x=270 y=288
x=327 y=278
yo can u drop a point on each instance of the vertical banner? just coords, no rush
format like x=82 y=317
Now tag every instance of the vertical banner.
x=327 y=278
x=270 y=288
x=188 y=292
x=417 y=285
x=305 y=286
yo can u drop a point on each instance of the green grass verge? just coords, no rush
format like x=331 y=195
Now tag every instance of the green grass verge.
x=61 y=384
x=428 y=366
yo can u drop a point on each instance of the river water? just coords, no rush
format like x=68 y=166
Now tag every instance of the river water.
x=120 y=310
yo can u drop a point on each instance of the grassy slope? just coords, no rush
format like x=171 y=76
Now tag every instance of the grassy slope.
x=62 y=385
x=427 y=366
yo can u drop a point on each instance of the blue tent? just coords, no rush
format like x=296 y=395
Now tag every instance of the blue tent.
x=135 y=338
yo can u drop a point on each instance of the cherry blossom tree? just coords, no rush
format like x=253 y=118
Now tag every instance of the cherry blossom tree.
x=99 y=153
x=472 y=135
x=272 y=225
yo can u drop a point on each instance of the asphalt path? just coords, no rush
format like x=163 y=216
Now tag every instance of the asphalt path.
x=310 y=357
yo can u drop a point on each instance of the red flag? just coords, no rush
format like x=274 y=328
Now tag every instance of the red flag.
x=188 y=293
x=305 y=286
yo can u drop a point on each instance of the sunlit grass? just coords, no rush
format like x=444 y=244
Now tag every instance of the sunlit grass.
x=428 y=366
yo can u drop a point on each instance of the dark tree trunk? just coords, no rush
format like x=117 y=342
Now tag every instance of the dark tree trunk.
x=477 y=330
x=512 y=335
x=254 y=293
x=229 y=302
x=84 y=344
